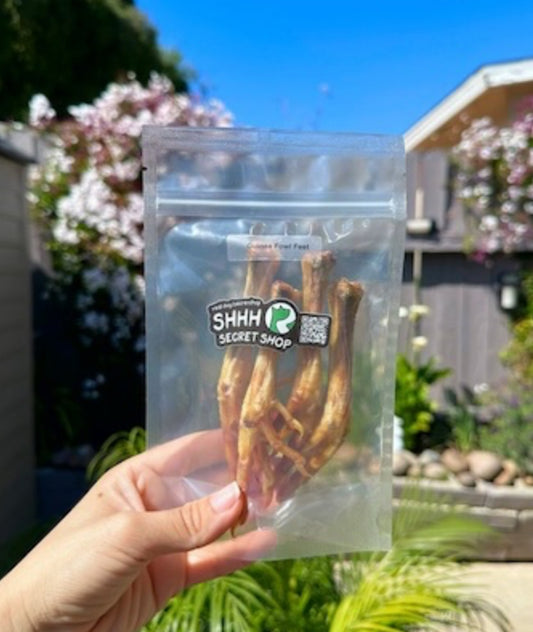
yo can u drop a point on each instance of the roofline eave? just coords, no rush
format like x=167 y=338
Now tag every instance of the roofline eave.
x=474 y=86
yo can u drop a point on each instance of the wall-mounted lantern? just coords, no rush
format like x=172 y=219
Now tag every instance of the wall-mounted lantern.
x=509 y=290
x=420 y=226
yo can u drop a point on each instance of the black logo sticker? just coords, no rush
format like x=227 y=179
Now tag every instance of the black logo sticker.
x=277 y=324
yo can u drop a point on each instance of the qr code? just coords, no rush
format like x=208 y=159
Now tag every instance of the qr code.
x=314 y=330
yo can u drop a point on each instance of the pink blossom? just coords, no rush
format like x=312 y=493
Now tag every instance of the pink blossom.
x=495 y=180
x=41 y=112
x=88 y=192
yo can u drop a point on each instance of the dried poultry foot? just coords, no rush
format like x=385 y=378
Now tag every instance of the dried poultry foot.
x=238 y=361
x=257 y=435
x=306 y=399
x=307 y=394
x=318 y=448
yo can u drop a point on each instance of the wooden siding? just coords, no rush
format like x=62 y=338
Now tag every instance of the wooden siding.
x=466 y=330
x=16 y=427
x=429 y=174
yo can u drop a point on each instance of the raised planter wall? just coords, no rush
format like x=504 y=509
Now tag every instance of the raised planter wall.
x=509 y=510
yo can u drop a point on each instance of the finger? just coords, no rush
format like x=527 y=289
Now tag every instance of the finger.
x=167 y=492
x=183 y=455
x=193 y=525
x=221 y=558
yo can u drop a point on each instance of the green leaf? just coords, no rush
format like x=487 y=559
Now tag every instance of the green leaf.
x=117 y=448
x=413 y=402
x=226 y=604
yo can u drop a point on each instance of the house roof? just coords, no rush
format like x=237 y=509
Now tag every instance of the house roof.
x=490 y=91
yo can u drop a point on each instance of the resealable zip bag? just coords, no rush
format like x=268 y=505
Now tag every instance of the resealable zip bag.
x=273 y=272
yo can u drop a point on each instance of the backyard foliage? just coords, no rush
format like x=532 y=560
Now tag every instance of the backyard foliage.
x=418 y=584
x=463 y=410
x=414 y=404
x=518 y=355
x=509 y=431
x=86 y=200
x=105 y=40
x=494 y=168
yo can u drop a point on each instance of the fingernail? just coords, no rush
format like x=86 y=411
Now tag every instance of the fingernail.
x=225 y=498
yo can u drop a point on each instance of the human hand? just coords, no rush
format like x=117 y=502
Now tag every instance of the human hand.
x=121 y=553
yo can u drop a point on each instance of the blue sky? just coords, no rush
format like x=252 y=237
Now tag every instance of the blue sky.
x=339 y=64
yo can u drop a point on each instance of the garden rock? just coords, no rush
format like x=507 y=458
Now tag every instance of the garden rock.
x=435 y=471
x=508 y=474
x=415 y=470
x=466 y=479
x=454 y=461
x=400 y=463
x=484 y=465
x=429 y=456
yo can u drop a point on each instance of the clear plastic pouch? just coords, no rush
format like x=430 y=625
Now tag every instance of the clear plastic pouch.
x=273 y=269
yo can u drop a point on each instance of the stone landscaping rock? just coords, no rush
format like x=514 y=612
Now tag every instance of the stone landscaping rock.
x=435 y=471
x=410 y=456
x=466 y=479
x=415 y=470
x=508 y=474
x=429 y=456
x=454 y=461
x=528 y=480
x=484 y=465
x=400 y=464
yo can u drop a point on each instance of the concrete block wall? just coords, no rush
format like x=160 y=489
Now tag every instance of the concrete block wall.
x=508 y=510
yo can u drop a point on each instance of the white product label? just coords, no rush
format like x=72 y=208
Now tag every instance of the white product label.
x=259 y=247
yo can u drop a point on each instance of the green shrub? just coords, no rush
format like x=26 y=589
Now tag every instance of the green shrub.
x=462 y=417
x=510 y=432
x=413 y=401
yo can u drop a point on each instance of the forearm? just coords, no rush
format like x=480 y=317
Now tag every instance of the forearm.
x=13 y=610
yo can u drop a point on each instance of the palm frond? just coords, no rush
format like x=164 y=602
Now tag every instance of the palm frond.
x=306 y=592
x=226 y=604
x=418 y=584
x=385 y=602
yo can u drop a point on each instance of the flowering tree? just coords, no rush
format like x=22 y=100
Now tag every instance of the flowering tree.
x=495 y=181
x=86 y=197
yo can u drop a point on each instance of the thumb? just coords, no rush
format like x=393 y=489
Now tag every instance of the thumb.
x=192 y=525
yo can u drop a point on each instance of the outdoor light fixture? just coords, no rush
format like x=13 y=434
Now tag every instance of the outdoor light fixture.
x=420 y=226
x=509 y=290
